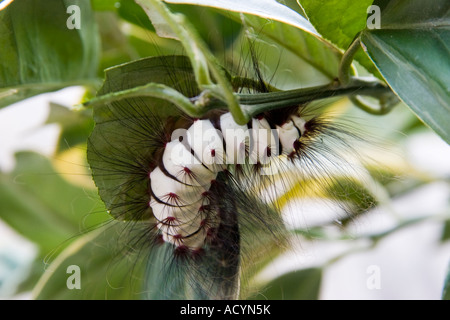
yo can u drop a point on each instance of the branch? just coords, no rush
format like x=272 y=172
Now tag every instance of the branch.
x=253 y=104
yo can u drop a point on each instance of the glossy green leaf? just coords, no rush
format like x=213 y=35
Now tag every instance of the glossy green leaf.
x=339 y=21
x=267 y=9
x=297 y=285
x=38 y=51
x=412 y=52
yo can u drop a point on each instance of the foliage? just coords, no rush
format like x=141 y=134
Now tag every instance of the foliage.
x=303 y=51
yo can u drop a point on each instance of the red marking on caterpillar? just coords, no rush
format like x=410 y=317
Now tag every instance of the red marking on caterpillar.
x=192 y=168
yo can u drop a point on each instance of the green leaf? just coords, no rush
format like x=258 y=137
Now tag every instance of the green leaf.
x=309 y=52
x=340 y=21
x=40 y=53
x=411 y=50
x=42 y=206
x=297 y=285
x=114 y=153
x=305 y=48
x=132 y=12
x=174 y=71
x=103 y=273
x=267 y=9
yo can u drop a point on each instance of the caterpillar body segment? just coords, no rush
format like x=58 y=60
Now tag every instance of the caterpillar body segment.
x=181 y=186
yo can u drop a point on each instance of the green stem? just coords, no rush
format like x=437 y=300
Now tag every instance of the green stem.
x=344 y=73
x=346 y=76
x=376 y=109
x=253 y=104
x=250 y=104
x=155 y=90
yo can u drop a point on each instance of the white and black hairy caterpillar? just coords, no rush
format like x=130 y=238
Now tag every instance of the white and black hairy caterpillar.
x=193 y=185
x=183 y=182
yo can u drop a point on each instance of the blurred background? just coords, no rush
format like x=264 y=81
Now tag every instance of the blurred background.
x=399 y=249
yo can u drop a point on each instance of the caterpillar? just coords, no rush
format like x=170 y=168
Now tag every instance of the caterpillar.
x=194 y=184
x=181 y=185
